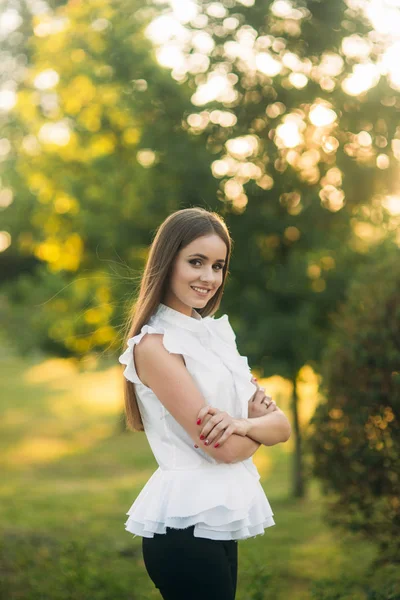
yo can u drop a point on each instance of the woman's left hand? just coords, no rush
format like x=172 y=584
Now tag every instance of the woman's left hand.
x=260 y=404
x=220 y=426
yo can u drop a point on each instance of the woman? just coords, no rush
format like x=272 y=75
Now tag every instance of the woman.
x=204 y=416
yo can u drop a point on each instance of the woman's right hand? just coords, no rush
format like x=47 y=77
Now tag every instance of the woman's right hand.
x=260 y=404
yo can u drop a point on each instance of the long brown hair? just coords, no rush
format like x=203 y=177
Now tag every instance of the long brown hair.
x=177 y=231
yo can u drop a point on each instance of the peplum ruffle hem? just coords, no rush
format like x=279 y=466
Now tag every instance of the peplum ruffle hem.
x=223 y=502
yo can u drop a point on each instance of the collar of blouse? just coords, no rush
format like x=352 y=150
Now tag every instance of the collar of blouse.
x=194 y=323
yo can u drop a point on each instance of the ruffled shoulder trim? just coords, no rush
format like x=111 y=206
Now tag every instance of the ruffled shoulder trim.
x=170 y=342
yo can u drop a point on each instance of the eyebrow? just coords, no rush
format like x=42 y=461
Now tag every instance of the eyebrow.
x=221 y=260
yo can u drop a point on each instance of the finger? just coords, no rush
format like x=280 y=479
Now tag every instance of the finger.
x=208 y=409
x=218 y=437
x=267 y=400
x=209 y=426
x=260 y=390
x=215 y=425
x=204 y=422
x=259 y=395
x=204 y=411
x=227 y=433
x=215 y=433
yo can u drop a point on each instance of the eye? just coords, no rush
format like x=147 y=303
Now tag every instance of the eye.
x=197 y=260
x=194 y=260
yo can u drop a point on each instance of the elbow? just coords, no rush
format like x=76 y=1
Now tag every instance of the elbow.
x=222 y=455
x=285 y=429
x=227 y=455
x=227 y=458
x=287 y=432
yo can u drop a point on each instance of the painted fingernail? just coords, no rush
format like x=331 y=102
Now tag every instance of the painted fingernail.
x=198 y=421
x=202 y=437
x=206 y=442
x=216 y=445
x=196 y=446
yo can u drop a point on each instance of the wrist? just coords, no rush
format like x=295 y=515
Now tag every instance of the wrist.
x=246 y=425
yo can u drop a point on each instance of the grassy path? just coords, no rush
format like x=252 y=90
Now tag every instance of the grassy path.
x=70 y=475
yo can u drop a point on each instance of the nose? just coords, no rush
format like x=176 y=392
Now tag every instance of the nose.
x=208 y=277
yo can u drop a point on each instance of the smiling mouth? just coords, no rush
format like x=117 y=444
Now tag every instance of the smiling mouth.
x=200 y=291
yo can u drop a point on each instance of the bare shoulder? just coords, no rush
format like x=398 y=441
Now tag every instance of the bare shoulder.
x=151 y=356
x=151 y=346
x=149 y=342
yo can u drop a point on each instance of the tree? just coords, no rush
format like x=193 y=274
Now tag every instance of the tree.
x=302 y=126
x=98 y=158
x=355 y=432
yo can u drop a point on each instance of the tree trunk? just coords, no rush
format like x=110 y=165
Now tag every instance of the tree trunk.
x=298 y=485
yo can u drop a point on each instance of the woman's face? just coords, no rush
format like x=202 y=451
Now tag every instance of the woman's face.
x=192 y=270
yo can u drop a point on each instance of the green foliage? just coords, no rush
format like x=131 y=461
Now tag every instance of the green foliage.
x=262 y=579
x=61 y=317
x=381 y=584
x=305 y=38
x=126 y=165
x=355 y=433
x=344 y=588
x=40 y=567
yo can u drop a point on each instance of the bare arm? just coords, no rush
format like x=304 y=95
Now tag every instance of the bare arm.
x=240 y=447
x=168 y=377
x=270 y=429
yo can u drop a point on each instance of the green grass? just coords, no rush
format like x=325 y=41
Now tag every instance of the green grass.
x=70 y=475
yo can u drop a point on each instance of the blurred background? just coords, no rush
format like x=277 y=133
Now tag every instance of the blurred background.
x=281 y=116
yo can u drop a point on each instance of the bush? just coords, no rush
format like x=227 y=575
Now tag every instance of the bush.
x=36 y=566
x=383 y=584
x=354 y=434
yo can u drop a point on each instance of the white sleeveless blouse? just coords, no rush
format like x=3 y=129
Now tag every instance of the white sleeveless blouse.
x=223 y=501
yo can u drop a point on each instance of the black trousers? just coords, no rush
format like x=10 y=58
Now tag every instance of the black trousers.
x=185 y=567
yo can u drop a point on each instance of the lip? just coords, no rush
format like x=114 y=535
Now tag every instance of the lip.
x=199 y=293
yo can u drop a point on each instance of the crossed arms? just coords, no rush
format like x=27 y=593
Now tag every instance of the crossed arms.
x=167 y=376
